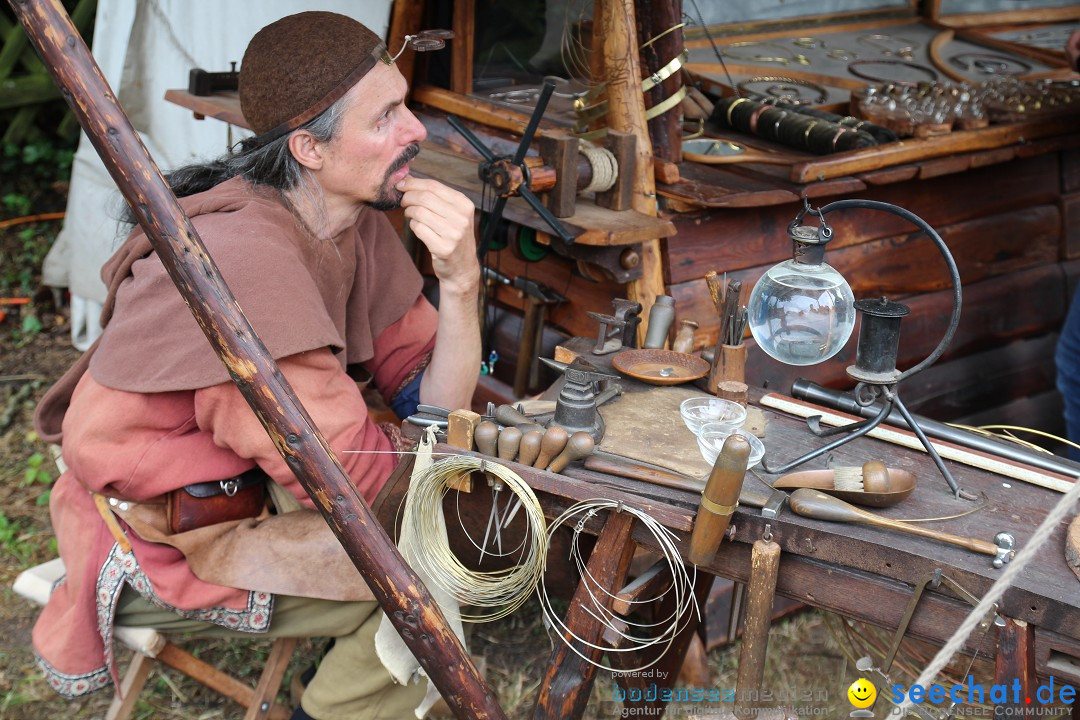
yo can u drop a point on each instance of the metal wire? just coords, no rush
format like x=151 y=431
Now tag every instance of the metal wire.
x=503 y=590
x=669 y=627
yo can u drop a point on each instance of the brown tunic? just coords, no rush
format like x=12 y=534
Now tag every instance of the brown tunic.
x=156 y=411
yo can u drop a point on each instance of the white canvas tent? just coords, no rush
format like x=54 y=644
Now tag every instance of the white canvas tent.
x=145 y=47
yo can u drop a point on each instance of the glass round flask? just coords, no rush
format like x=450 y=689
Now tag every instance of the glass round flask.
x=801 y=311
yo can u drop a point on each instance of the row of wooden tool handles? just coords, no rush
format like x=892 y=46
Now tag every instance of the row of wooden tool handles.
x=516 y=437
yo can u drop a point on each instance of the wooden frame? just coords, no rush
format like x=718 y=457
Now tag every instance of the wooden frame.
x=1052 y=11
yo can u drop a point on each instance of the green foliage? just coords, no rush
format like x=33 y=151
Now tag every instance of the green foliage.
x=33 y=180
x=35 y=471
x=12 y=540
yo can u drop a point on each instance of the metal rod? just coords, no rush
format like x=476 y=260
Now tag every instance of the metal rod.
x=839 y=400
x=930 y=450
x=398 y=589
x=862 y=430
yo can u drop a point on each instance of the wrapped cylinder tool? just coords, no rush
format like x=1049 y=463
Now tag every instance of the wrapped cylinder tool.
x=786 y=127
x=719 y=499
x=879 y=133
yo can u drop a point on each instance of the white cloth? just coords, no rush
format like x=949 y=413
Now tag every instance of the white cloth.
x=145 y=47
x=391 y=649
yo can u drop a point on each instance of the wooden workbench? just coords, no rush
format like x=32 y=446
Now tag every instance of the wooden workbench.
x=858 y=571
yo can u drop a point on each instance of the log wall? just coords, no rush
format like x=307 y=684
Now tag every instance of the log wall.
x=1013 y=229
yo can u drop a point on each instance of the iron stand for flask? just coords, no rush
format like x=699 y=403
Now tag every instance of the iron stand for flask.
x=875 y=356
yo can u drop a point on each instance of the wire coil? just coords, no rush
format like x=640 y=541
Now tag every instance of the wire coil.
x=503 y=590
x=668 y=628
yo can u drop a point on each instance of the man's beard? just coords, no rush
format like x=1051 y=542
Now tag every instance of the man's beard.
x=389 y=197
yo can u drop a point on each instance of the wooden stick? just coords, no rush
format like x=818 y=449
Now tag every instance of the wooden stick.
x=906 y=438
x=716 y=290
x=398 y=589
x=764 y=568
x=568 y=682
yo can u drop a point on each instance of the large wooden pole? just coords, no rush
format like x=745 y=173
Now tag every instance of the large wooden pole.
x=616 y=31
x=397 y=588
x=657 y=18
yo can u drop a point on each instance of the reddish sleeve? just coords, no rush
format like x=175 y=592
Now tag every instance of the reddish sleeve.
x=403 y=350
x=332 y=400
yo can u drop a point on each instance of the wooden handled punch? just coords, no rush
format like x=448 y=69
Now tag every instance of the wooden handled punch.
x=819 y=506
x=487 y=437
x=509 y=441
x=719 y=499
x=511 y=417
x=552 y=444
x=529 y=448
x=578 y=446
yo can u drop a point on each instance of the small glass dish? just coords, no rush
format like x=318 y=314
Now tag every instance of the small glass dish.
x=711 y=437
x=697 y=411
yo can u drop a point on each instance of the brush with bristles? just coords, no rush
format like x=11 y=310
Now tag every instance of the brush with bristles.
x=872 y=477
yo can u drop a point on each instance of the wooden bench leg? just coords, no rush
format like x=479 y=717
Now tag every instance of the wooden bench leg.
x=1015 y=660
x=123 y=703
x=647 y=698
x=568 y=682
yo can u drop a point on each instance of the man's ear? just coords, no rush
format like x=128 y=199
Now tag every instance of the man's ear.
x=306 y=149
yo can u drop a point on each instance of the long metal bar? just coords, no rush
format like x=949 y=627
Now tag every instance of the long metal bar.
x=398 y=589
x=839 y=400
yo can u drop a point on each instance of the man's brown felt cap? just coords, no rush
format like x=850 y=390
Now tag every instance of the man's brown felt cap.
x=298 y=66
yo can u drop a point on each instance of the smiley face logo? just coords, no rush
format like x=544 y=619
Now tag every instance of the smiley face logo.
x=862 y=693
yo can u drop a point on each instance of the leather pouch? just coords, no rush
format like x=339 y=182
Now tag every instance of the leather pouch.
x=208 y=503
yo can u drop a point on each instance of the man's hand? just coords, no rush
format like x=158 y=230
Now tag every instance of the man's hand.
x=442 y=219
x=1072 y=50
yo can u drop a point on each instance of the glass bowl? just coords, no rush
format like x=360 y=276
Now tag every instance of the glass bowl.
x=711 y=439
x=697 y=411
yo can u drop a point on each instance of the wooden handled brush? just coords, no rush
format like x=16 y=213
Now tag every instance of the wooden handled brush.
x=819 y=506
x=872 y=477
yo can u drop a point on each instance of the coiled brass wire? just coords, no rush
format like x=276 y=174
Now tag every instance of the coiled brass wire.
x=503 y=590
x=684 y=606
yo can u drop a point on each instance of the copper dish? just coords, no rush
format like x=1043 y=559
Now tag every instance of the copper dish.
x=660 y=367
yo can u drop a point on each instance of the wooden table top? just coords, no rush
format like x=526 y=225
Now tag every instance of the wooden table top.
x=857 y=569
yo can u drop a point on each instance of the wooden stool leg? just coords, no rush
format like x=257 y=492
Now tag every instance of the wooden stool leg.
x=565 y=689
x=215 y=679
x=123 y=703
x=270 y=680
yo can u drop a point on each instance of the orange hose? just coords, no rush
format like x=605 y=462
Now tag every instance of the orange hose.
x=31 y=218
